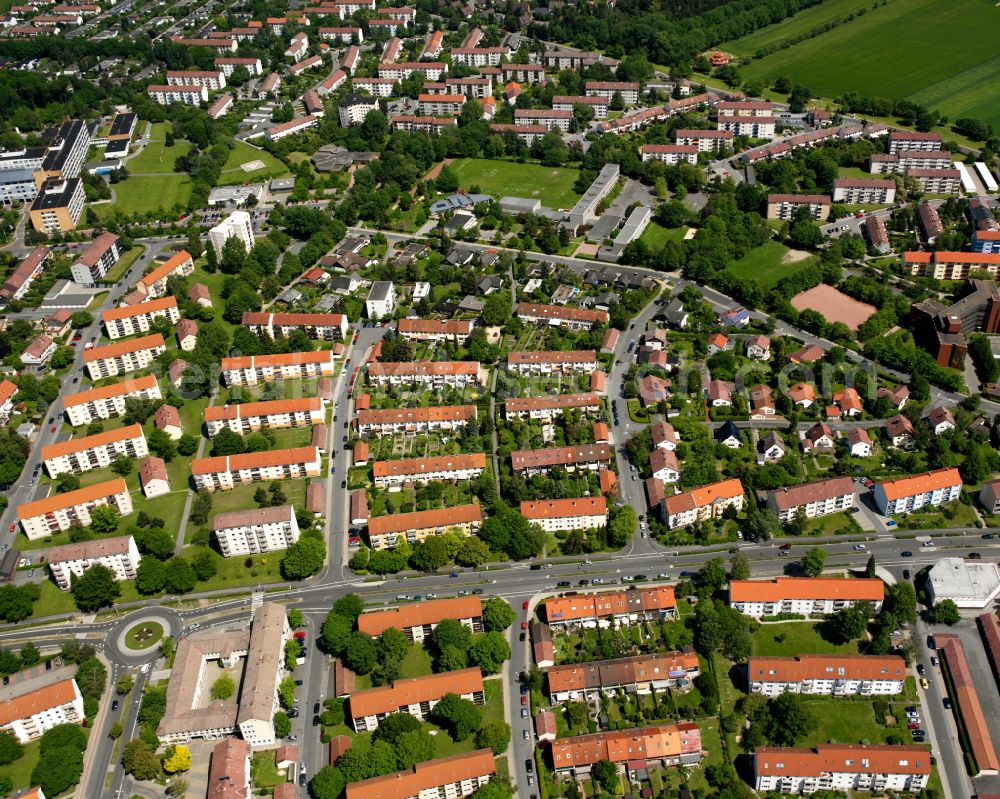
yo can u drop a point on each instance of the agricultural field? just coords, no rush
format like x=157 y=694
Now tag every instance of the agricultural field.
x=806 y=20
x=768 y=264
x=552 y=186
x=883 y=53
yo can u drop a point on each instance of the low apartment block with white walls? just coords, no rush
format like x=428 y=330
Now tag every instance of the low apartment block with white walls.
x=225 y=472
x=94 y=452
x=248 y=417
x=53 y=514
x=29 y=711
x=827 y=675
x=129 y=320
x=122 y=357
x=252 y=370
x=880 y=769
x=108 y=401
x=252 y=532
x=119 y=554
x=555 y=515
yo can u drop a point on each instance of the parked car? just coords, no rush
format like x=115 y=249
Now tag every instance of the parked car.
x=527 y=735
x=947 y=703
x=524 y=712
x=906 y=553
x=921 y=670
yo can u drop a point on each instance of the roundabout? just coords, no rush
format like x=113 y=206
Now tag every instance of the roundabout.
x=143 y=635
x=135 y=639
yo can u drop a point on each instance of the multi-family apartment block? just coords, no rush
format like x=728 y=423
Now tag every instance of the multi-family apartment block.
x=640 y=674
x=58 y=205
x=252 y=370
x=561 y=316
x=522 y=73
x=65 y=153
x=128 y=320
x=553 y=515
x=7 y=391
x=706 y=141
x=784 y=206
x=429 y=70
x=864 y=190
x=45 y=517
x=385 y=532
x=551 y=406
x=936 y=181
x=707 y=502
x=293 y=126
x=611 y=607
x=225 y=472
x=906 y=494
x=563 y=102
x=165 y=94
x=901 y=140
x=417 y=696
x=412 y=123
x=247 y=417
x=827 y=675
x=154 y=284
x=321 y=326
x=804 y=595
x=20 y=280
x=545 y=363
x=210 y=80
x=841 y=768
x=589 y=457
x=228 y=64
x=94 y=452
x=435 y=374
x=252 y=532
x=119 y=554
x=452 y=777
x=950 y=265
x=754 y=127
x=550 y=119
x=108 y=401
x=575 y=59
x=819 y=498
x=670 y=153
x=123 y=356
x=455 y=330
x=669 y=744
x=628 y=91
x=441 y=105
x=417 y=620
x=96 y=261
x=354 y=108
x=479 y=56
x=30 y=714
x=414 y=421
x=393 y=475
x=237 y=225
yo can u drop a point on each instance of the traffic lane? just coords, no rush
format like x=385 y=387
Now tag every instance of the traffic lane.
x=101 y=758
x=131 y=727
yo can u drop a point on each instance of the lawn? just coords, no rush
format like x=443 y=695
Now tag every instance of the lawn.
x=883 y=54
x=417 y=662
x=846 y=722
x=156 y=157
x=553 y=187
x=52 y=602
x=264 y=771
x=243 y=153
x=792 y=638
x=766 y=265
x=143 y=635
x=20 y=770
x=142 y=194
x=656 y=236
x=120 y=268
x=806 y=20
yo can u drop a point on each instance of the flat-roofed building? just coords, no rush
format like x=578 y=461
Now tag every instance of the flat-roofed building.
x=612 y=607
x=58 y=205
x=414 y=421
x=154 y=284
x=560 y=315
x=827 y=675
x=96 y=261
x=317 y=326
x=640 y=674
x=971 y=584
x=94 y=452
x=456 y=330
x=108 y=401
x=119 y=554
x=582 y=456
x=784 y=206
x=841 y=768
x=225 y=472
x=452 y=777
x=818 y=498
x=805 y=595
x=549 y=407
x=237 y=225
x=907 y=494
x=417 y=696
x=553 y=515
x=53 y=514
x=28 y=715
x=670 y=744
x=385 y=532
x=392 y=475
x=435 y=374
x=123 y=356
x=128 y=320
x=252 y=532
x=252 y=370
x=544 y=363
x=707 y=502
x=248 y=417
x=417 y=620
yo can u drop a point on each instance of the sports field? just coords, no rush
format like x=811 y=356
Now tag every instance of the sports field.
x=943 y=55
x=767 y=264
x=552 y=186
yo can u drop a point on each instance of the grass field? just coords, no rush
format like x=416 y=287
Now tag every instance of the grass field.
x=655 y=236
x=845 y=722
x=796 y=638
x=884 y=54
x=765 y=264
x=806 y=20
x=243 y=153
x=144 y=635
x=157 y=157
x=119 y=269
x=553 y=187
x=140 y=194
x=20 y=770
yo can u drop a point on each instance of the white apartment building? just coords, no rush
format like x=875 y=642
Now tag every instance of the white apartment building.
x=317 y=326
x=238 y=225
x=416 y=696
x=864 y=190
x=262 y=675
x=553 y=120
x=355 y=107
x=746 y=108
x=385 y=532
x=210 y=80
x=108 y=401
x=381 y=302
x=94 y=452
x=252 y=532
x=608 y=89
x=551 y=406
x=95 y=262
x=555 y=515
x=546 y=363
x=880 y=769
x=936 y=181
x=827 y=675
x=902 y=140
x=452 y=777
x=435 y=374
x=819 y=498
x=345 y=35
x=228 y=65
x=906 y=494
x=456 y=330
x=123 y=356
x=225 y=472
x=784 y=206
x=251 y=370
x=413 y=421
x=186 y=95
x=293 y=126
x=417 y=620
x=670 y=153
x=707 y=502
x=805 y=595
x=430 y=70
x=441 y=105
x=479 y=56
x=564 y=102
x=128 y=320
x=154 y=284
x=247 y=417
x=706 y=141
x=119 y=554
x=58 y=512
x=753 y=127
x=28 y=715
x=418 y=124
x=392 y=475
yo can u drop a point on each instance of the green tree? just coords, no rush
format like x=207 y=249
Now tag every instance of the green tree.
x=303 y=559
x=430 y=554
x=10 y=747
x=394 y=725
x=739 y=567
x=458 y=716
x=180 y=575
x=125 y=684
x=104 y=519
x=282 y=724
x=496 y=309
x=494 y=735
x=508 y=531
x=604 y=772
x=622 y=525
x=350 y=606
x=223 y=687
x=498 y=615
x=96 y=588
x=450 y=632
x=360 y=653
x=296 y=618
x=945 y=612
x=150 y=576
x=870 y=567
x=392 y=645
x=791 y=720
x=121 y=466
x=204 y=564
x=713 y=574
x=154 y=541
x=29 y=655
x=140 y=760
x=286 y=692
x=489 y=651
x=901 y=601
x=472 y=552
x=67 y=481
x=415 y=746
x=813 y=561
x=328 y=783
x=335 y=633
x=80 y=320
x=849 y=623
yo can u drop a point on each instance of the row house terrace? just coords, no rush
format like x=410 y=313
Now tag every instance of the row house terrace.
x=393 y=475
x=228 y=471
x=805 y=595
x=549 y=407
x=827 y=675
x=418 y=620
x=435 y=330
x=589 y=457
x=629 y=606
x=641 y=674
x=561 y=316
x=317 y=326
x=414 y=420
x=128 y=320
x=251 y=370
x=108 y=401
x=670 y=744
x=94 y=452
x=250 y=416
x=545 y=363
x=123 y=356
x=436 y=374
